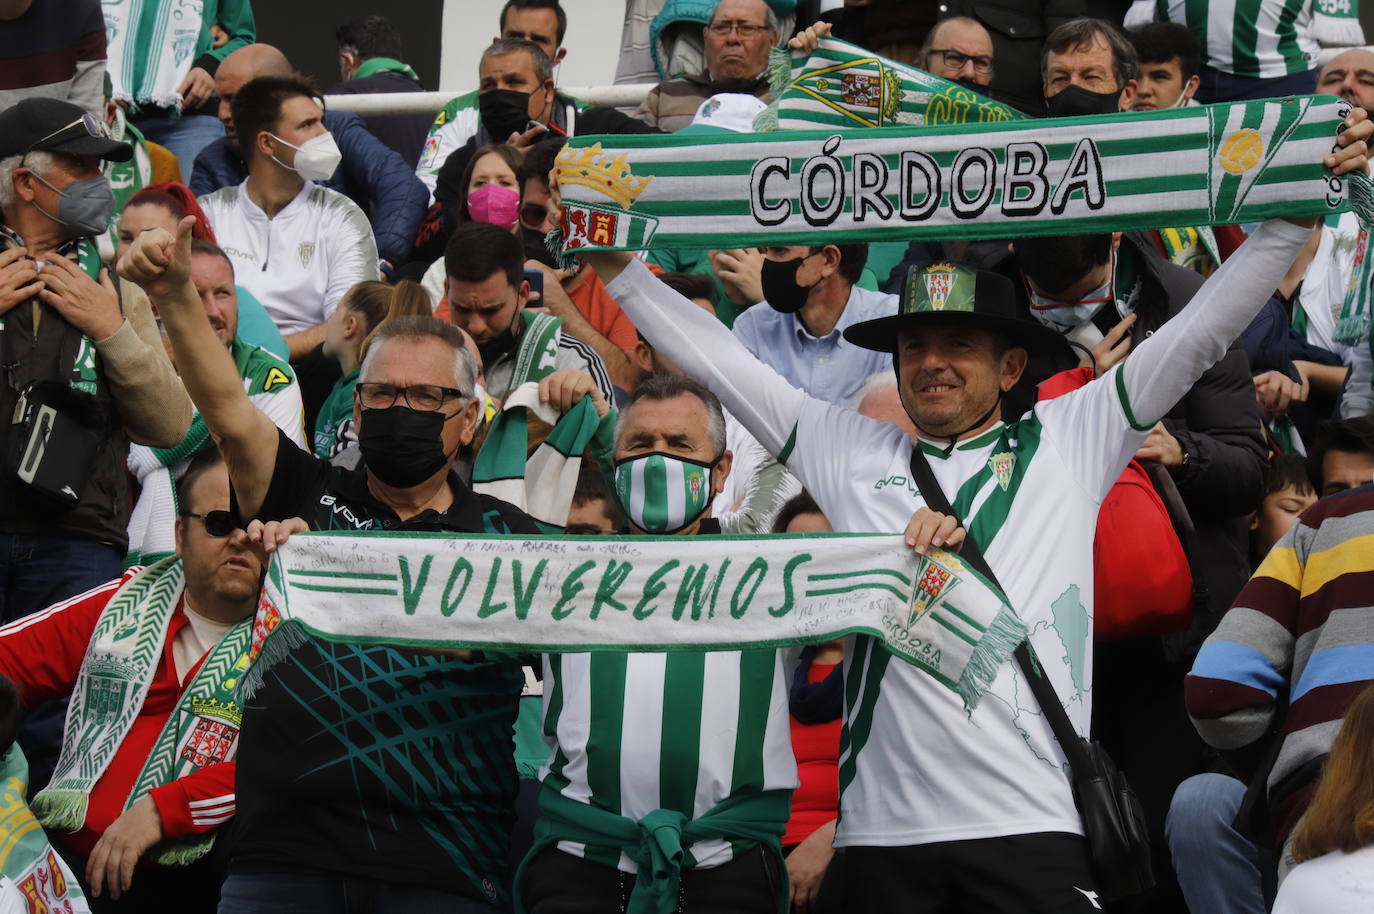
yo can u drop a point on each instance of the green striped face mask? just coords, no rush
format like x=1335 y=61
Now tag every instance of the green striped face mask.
x=662 y=493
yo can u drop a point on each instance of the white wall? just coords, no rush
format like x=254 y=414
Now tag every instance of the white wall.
x=593 y=41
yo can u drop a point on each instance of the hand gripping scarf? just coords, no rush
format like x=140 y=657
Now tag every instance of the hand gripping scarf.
x=152 y=44
x=121 y=659
x=1216 y=164
x=646 y=593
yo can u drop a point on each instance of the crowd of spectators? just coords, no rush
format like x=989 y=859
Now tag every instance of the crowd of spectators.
x=230 y=314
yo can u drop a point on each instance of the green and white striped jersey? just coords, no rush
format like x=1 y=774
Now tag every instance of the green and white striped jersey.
x=1258 y=39
x=915 y=768
x=632 y=733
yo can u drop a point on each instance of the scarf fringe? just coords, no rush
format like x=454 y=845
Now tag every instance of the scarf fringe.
x=993 y=650
x=64 y=810
x=184 y=852
x=1360 y=188
x=287 y=636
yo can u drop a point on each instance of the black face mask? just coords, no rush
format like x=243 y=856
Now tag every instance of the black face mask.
x=1075 y=101
x=536 y=248
x=500 y=344
x=780 y=287
x=402 y=446
x=504 y=111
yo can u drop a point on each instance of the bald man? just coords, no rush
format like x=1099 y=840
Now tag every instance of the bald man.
x=959 y=50
x=1350 y=75
x=371 y=175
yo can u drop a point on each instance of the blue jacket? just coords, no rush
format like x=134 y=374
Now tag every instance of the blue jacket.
x=372 y=175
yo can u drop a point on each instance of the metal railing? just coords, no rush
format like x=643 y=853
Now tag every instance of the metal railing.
x=623 y=96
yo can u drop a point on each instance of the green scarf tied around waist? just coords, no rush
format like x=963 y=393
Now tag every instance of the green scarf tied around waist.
x=658 y=842
x=374 y=65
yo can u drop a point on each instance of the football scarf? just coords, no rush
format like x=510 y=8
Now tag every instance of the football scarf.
x=374 y=65
x=1352 y=325
x=152 y=44
x=1336 y=23
x=1214 y=164
x=84 y=358
x=32 y=876
x=124 y=651
x=649 y=593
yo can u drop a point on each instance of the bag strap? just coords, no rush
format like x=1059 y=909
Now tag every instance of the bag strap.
x=1040 y=685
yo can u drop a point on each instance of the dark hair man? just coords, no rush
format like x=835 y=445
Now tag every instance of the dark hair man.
x=958 y=49
x=673 y=429
x=322 y=241
x=371 y=61
x=1088 y=67
x=737 y=39
x=370 y=174
x=486 y=293
x=205 y=623
x=1342 y=456
x=434 y=731
x=1168 y=55
x=543 y=22
x=516 y=102
x=811 y=298
x=955 y=363
x=64 y=331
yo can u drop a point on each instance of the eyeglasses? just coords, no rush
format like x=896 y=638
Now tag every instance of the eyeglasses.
x=955 y=60
x=533 y=215
x=218 y=524
x=745 y=30
x=88 y=124
x=424 y=397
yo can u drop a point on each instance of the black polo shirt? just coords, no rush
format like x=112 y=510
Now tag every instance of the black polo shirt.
x=374 y=761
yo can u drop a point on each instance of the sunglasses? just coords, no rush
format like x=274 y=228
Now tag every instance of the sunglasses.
x=87 y=123
x=217 y=523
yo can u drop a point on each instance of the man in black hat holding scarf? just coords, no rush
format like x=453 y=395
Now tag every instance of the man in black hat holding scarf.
x=943 y=810
x=84 y=373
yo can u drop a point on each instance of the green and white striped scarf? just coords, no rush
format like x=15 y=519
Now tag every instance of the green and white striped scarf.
x=151 y=46
x=843 y=86
x=121 y=660
x=1336 y=23
x=28 y=864
x=646 y=593
x=1216 y=164
x=1352 y=326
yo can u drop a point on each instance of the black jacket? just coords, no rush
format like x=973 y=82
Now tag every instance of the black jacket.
x=404 y=133
x=1018 y=29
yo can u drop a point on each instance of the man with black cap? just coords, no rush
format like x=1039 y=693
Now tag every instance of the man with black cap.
x=942 y=810
x=84 y=374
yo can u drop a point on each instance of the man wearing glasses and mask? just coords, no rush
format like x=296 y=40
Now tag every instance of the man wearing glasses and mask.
x=84 y=373
x=367 y=772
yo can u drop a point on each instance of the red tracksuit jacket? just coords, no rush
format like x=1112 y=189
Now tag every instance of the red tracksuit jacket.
x=42 y=655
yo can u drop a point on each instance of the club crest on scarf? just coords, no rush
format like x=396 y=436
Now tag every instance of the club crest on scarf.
x=933 y=583
x=600 y=224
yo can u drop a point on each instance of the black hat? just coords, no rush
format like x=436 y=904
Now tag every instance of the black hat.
x=57 y=126
x=954 y=293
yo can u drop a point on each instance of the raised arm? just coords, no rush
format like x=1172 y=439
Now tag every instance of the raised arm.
x=160 y=263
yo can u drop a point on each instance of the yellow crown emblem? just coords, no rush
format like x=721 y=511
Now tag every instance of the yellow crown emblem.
x=593 y=168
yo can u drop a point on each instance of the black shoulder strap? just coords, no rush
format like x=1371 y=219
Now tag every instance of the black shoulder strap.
x=1040 y=686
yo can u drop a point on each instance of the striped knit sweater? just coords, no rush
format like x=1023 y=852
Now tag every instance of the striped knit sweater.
x=1306 y=618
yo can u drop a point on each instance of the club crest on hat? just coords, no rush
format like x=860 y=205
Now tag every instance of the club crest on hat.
x=939 y=282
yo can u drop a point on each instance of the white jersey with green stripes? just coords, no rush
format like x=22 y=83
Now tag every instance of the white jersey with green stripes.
x=915 y=768
x=455 y=124
x=632 y=733
x=1258 y=39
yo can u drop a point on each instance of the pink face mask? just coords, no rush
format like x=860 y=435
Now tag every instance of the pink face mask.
x=495 y=204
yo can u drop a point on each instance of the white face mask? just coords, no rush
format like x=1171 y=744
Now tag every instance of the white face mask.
x=316 y=159
x=1065 y=316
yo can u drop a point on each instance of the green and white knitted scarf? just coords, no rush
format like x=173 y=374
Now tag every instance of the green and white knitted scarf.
x=27 y=859
x=151 y=46
x=1352 y=326
x=841 y=85
x=152 y=523
x=121 y=660
x=1336 y=23
x=1215 y=164
x=85 y=360
x=647 y=593
x=374 y=65
x=542 y=483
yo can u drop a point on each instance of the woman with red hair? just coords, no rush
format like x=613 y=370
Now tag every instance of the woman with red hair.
x=164 y=206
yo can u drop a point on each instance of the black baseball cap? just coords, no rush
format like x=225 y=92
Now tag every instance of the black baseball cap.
x=955 y=293
x=53 y=125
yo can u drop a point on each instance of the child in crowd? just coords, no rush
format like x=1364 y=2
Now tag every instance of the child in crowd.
x=346 y=334
x=1290 y=493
